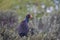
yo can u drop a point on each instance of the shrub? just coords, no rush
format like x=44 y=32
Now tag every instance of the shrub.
x=8 y=23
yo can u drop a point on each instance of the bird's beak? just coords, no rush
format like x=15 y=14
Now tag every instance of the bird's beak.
x=31 y=17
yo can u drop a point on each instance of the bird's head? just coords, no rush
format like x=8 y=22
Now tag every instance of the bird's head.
x=29 y=16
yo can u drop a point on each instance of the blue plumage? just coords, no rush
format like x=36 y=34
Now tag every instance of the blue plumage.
x=23 y=27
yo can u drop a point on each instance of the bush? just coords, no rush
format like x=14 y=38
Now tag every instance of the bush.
x=8 y=23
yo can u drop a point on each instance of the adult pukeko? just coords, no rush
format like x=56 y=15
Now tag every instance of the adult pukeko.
x=23 y=28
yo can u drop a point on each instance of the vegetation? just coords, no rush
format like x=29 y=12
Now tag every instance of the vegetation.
x=45 y=22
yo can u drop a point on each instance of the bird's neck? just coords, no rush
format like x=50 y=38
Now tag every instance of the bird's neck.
x=27 y=20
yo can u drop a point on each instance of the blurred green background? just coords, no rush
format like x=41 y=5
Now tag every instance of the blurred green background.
x=22 y=7
x=44 y=9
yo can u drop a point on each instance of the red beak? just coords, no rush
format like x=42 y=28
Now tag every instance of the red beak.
x=31 y=17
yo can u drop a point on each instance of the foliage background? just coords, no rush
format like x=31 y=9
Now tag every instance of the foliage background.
x=46 y=22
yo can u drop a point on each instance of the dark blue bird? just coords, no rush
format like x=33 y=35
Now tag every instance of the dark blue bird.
x=23 y=27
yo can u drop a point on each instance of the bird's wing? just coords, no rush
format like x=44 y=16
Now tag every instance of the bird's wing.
x=23 y=27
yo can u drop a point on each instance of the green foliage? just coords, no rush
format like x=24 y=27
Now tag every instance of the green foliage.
x=40 y=15
x=20 y=5
x=6 y=4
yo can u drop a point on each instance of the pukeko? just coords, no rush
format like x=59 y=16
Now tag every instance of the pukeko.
x=23 y=28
